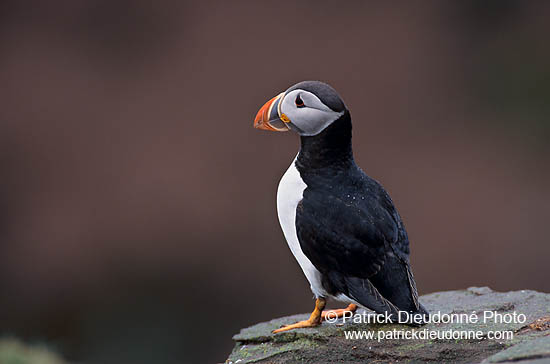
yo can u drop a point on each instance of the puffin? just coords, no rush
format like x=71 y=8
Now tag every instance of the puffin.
x=340 y=224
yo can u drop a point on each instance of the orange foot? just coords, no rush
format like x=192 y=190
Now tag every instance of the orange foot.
x=317 y=316
x=333 y=314
x=313 y=320
x=297 y=325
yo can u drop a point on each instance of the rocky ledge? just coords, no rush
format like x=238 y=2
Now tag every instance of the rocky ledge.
x=510 y=327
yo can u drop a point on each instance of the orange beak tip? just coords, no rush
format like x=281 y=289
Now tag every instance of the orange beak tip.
x=262 y=120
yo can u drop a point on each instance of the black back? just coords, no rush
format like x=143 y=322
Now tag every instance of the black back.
x=348 y=226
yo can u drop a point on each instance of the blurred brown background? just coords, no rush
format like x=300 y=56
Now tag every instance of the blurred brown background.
x=138 y=220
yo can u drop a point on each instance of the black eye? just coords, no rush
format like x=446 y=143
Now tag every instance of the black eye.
x=299 y=102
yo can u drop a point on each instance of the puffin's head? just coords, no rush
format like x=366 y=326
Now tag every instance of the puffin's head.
x=307 y=107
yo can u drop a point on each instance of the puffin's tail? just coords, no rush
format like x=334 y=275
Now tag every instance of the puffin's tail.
x=366 y=294
x=418 y=317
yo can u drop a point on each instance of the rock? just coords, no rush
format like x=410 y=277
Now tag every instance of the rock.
x=13 y=351
x=501 y=328
x=533 y=349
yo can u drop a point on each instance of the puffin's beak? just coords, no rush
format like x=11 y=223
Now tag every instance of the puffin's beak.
x=269 y=116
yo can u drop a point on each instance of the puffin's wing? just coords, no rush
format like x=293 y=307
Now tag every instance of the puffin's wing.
x=343 y=234
x=400 y=246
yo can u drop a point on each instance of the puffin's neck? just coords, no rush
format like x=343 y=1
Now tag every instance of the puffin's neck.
x=331 y=148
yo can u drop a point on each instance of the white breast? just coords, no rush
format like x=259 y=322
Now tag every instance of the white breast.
x=289 y=194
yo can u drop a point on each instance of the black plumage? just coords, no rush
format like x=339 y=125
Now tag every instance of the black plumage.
x=347 y=224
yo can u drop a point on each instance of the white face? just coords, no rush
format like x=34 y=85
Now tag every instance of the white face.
x=307 y=112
